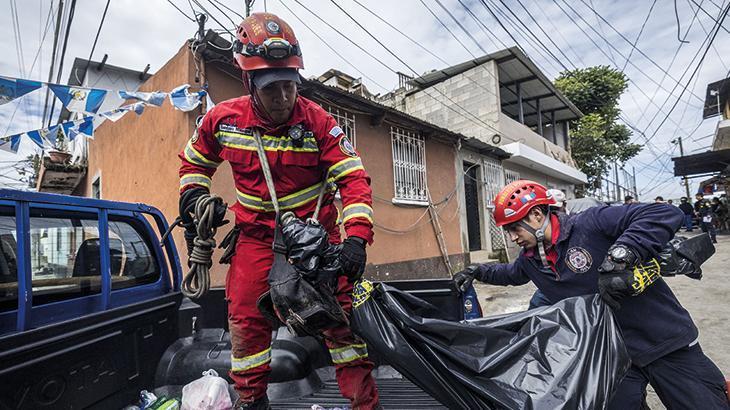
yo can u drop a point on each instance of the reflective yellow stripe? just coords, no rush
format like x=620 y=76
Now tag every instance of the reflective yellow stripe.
x=271 y=143
x=249 y=362
x=349 y=353
x=195 y=179
x=291 y=201
x=196 y=158
x=358 y=210
x=344 y=167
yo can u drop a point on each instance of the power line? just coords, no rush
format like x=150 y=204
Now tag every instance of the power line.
x=96 y=38
x=332 y=48
x=233 y=23
x=638 y=36
x=657 y=65
x=671 y=64
x=702 y=26
x=448 y=29
x=599 y=48
x=181 y=12
x=488 y=126
x=694 y=72
x=53 y=57
x=676 y=14
x=242 y=17
x=72 y=9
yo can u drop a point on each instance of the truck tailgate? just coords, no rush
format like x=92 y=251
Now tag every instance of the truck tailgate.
x=394 y=394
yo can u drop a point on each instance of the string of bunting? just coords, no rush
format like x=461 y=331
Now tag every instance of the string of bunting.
x=87 y=102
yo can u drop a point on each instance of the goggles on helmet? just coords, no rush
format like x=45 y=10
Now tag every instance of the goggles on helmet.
x=274 y=48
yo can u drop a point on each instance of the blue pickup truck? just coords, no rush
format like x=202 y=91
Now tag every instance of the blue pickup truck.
x=91 y=314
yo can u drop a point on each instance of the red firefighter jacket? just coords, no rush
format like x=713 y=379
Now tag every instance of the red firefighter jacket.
x=298 y=169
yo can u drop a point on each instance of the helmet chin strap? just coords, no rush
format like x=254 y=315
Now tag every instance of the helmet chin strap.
x=539 y=235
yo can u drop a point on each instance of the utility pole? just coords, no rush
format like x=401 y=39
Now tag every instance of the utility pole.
x=618 y=186
x=249 y=4
x=678 y=140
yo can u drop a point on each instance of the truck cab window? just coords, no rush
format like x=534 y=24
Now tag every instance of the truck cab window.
x=65 y=255
x=132 y=260
x=8 y=261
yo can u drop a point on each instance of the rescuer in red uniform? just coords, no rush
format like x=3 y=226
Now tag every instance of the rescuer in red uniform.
x=305 y=149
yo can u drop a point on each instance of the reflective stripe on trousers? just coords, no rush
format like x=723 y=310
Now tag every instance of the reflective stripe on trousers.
x=349 y=353
x=249 y=362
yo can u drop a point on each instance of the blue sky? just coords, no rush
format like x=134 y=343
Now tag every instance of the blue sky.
x=134 y=38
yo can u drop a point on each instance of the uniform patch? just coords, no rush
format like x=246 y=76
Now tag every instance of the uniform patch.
x=347 y=148
x=336 y=131
x=233 y=128
x=578 y=260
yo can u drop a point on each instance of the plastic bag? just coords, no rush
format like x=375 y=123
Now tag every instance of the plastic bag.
x=685 y=256
x=209 y=392
x=566 y=356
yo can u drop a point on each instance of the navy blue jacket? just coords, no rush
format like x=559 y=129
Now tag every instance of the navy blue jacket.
x=653 y=323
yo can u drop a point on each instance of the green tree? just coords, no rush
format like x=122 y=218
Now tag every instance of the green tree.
x=597 y=139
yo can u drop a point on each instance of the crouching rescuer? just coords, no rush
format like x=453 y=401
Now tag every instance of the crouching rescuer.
x=307 y=157
x=611 y=251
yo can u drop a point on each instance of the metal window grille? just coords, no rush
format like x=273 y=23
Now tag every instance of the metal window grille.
x=494 y=176
x=510 y=176
x=346 y=121
x=409 y=165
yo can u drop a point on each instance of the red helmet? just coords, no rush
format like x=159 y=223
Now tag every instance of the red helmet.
x=515 y=200
x=266 y=41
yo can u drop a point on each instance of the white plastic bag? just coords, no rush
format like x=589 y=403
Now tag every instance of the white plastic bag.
x=209 y=392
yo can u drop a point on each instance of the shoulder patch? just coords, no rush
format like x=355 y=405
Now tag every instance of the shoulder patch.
x=336 y=131
x=347 y=148
x=578 y=259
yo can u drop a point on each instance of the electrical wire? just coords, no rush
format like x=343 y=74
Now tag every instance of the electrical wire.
x=694 y=72
x=242 y=17
x=676 y=14
x=638 y=36
x=454 y=103
x=96 y=38
x=651 y=60
x=181 y=12
x=233 y=23
x=72 y=10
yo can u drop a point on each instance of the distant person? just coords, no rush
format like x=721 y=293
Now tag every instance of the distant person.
x=670 y=202
x=703 y=209
x=720 y=211
x=688 y=212
x=659 y=200
x=628 y=199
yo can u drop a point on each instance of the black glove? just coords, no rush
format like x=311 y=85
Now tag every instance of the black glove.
x=618 y=277
x=353 y=257
x=464 y=278
x=187 y=208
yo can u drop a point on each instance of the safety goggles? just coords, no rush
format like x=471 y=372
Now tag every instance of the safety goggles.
x=274 y=48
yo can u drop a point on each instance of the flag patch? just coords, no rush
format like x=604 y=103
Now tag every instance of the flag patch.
x=336 y=131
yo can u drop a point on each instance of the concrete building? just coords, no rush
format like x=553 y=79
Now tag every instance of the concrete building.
x=415 y=166
x=501 y=99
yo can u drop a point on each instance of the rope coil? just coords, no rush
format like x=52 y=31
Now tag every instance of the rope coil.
x=196 y=281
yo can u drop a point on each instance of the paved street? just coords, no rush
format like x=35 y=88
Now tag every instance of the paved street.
x=706 y=300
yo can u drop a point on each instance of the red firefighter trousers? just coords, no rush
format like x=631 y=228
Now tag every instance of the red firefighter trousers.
x=251 y=332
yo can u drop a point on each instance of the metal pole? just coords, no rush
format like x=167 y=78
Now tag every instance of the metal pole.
x=681 y=154
x=636 y=191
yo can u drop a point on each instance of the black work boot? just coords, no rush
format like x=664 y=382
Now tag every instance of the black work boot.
x=260 y=404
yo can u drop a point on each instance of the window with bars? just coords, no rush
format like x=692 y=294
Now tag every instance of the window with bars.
x=409 y=165
x=346 y=121
x=510 y=176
